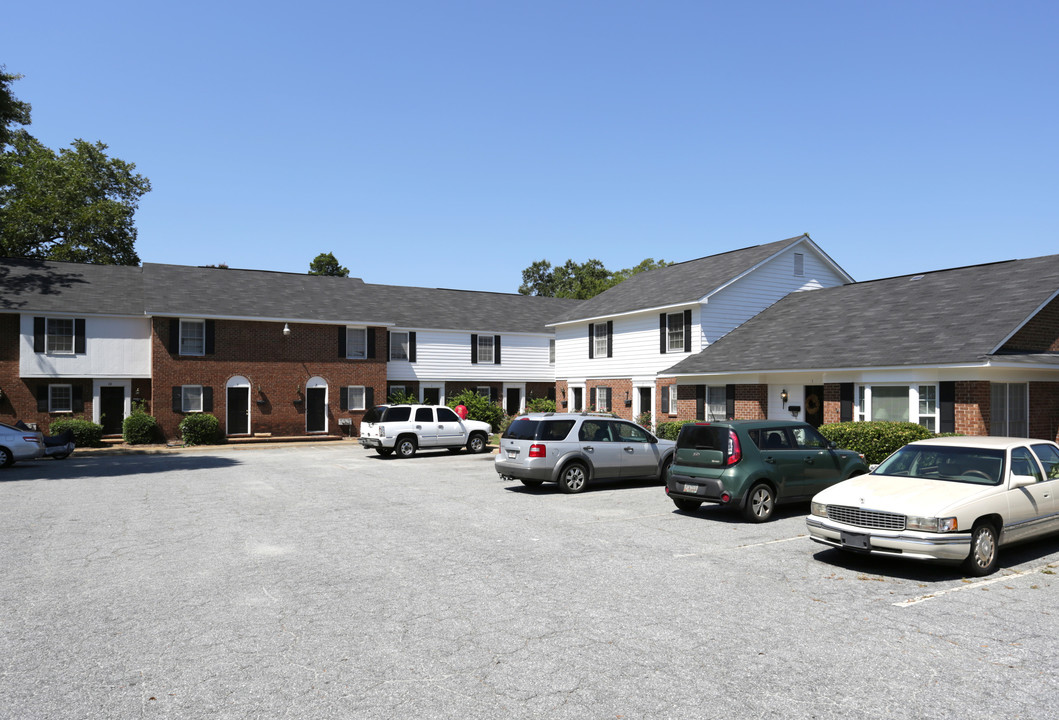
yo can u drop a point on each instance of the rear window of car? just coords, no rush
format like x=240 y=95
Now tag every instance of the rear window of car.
x=703 y=437
x=374 y=415
x=555 y=429
x=397 y=414
x=522 y=429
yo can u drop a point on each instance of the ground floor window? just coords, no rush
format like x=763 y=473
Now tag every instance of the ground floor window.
x=356 y=397
x=671 y=391
x=60 y=398
x=716 y=404
x=602 y=399
x=191 y=398
x=899 y=403
x=1009 y=409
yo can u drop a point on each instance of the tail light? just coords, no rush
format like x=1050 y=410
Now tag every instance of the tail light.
x=735 y=452
x=538 y=450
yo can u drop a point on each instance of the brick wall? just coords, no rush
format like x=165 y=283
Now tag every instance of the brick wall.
x=1040 y=334
x=277 y=367
x=751 y=402
x=972 y=407
x=619 y=387
x=562 y=395
x=832 y=403
x=1044 y=410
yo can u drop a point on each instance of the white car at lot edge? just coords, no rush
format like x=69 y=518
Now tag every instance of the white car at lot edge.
x=953 y=499
x=407 y=428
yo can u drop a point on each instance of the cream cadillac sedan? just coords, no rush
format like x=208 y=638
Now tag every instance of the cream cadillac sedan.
x=952 y=499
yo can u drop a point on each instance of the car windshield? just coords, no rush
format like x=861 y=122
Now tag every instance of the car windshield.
x=940 y=462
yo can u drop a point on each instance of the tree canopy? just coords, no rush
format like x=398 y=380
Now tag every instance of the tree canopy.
x=76 y=205
x=577 y=280
x=327 y=264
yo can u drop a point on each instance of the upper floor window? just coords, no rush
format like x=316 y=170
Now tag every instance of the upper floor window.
x=551 y=351
x=60 y=336
x=192 y=337
x=398 y=345
x=356 y=343
x=485 y=348
x=675 y=325
x=599 y=338
x=799 y=264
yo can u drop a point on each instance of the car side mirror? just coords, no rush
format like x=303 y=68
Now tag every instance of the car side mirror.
x=832 y=445
x=1022 y=480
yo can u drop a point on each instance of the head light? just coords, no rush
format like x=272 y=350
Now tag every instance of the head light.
x=818 y=509
x=936 y=525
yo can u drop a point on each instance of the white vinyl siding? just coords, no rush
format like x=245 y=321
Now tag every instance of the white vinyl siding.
x=114 y=348
x=443 y=355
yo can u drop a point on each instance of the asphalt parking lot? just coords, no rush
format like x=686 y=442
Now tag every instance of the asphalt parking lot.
x=325 y=582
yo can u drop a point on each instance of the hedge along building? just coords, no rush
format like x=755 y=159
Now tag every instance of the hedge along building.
x=266 y=352
x=972 y=350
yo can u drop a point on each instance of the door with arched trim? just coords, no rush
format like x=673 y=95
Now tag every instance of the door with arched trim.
x=237 y=406
x=316 y=405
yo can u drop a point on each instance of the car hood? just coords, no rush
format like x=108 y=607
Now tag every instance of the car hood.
x=902 y=495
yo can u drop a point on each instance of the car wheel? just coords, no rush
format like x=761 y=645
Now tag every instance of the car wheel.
x=385 y=452
x=982 y=559
x=476 y=444
x=687 y=505
x=760 y=503
x=665 y=470
x=405 y=447
x=6 y=458
x=574 y=478
x=531 y=483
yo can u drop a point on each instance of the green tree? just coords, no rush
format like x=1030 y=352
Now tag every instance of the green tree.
x=77 y=205
x=578 y=281
x=327 y=264
x=12 y=112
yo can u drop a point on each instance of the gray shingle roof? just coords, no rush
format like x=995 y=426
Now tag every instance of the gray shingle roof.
x=677 y=284
x=937 y=318
x=48 y=286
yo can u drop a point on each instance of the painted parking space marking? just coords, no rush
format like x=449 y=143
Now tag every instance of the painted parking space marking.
x=972 y=586
x=750 y=545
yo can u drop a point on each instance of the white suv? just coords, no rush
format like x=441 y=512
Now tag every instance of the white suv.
x=406 y=428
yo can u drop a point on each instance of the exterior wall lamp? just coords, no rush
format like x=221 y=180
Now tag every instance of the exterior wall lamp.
x=784 y=396
x=286 y=330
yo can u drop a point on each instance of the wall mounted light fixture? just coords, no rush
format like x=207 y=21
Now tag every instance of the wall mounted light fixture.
x=784 y=396
x=286 y=329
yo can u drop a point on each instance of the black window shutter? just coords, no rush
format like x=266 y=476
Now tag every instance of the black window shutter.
x=411 y=347
x=369 y=397
x=207 y=399
x=40 y=335
x=591 y=340
x=492 y=394
x=947 y=407
x=42 y=398
x=178 y=401
x=210 y=332
x=174 y=336
x=79 y=336
x=78 y=398
x=342 y=351
x=474 y=349
x=663 y=334
x=665 y=399
x=343 y=398
x=687 y=331
x=592 y=399
x=845 y=402
x=700 y=402
x=610 y=338
x=371 y=342
x=610 y=398
x=386 y=350
x=729 y=402
x=496 y=349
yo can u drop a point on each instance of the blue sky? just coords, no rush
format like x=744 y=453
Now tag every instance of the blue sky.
x=451 y=144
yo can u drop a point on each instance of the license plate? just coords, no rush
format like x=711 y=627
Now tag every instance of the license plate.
x=855 y=541
x=512 y=453
x=691 y=489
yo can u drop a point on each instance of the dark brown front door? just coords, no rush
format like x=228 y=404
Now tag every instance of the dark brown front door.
x=111 y=409
x=814 y=405
x=238 y=410
x=514 y=399
x=315 y=409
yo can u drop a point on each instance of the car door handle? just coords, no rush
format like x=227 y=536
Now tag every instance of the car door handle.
x=589 y=448
x=630 y=449
x=770 y=459
x=808 y=461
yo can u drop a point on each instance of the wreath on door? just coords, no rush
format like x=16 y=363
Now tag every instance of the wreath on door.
x=812 y=404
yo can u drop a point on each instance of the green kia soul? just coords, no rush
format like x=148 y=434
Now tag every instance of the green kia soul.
x=755 y=464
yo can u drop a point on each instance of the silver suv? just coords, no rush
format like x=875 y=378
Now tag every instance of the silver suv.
x=574 y=449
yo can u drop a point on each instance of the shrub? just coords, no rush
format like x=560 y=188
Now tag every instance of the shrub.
x=540 y=405
x=669 y=430
x=644 y=421
x=876 y=439
x=402 y=398
x=199 y=429
x=479 y=407
x=86 y=433
x=139 y=428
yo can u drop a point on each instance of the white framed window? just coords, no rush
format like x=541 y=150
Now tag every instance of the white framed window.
x=927 y=406
x=484 y=391
x=672 y=390
x=799 y=264
x=603 y=399
x=551 y=351
x=60 y=398
x=398 y=345
x=716 y=403
x=191 y=398
x=485 y=349
x=60 y=334
x=356 y=397
x=599 y=338
x=1009 y=409
x=356 y=343
x=192 y=337
x=883 y=402
x=396 y=390
x=675 y=331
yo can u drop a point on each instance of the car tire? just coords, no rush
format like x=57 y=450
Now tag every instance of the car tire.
x=982 y=560
x=476 y=444
x=531 y=483
x=573 y=478
x=760 y=503
x=6 y=458
x=405 y=447
x=385 y=452
x=687 y=505
x=665 y=470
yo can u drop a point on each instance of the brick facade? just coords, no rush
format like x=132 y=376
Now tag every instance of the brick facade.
x=277 y=367
x=973 y=401
x=832 y=403
x=1040 y=334
x=751 y=402
x=620 y=392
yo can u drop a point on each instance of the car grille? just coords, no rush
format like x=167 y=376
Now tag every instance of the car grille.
x=866 y=518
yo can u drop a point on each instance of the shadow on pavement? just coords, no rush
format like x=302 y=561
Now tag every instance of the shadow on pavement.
x=110 y=466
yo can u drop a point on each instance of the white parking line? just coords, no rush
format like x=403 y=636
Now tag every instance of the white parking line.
x=620 y=519
x=971 y=586
x=751 y=545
